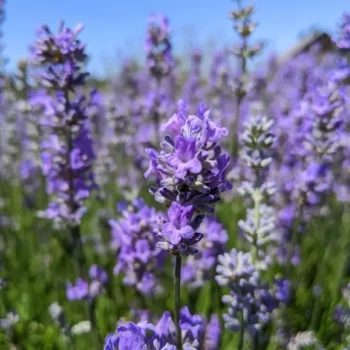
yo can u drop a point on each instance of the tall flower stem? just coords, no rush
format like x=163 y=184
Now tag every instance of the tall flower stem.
x=241 y=334
x=255 y=342
x=80 y=260
x=79 y=252
x=234 y=138
x=156 y=113
x=257 y=201
x=79 y=256
x=177 y=284
x=92 y=317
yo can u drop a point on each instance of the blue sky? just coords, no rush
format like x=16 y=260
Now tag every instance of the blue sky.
x=113 y=27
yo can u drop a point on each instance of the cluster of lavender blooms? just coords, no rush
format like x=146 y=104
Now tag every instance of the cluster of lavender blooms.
x=28 y=126
x=190 y=174
x=309 y=144
x=196 y=333
x=219 y=90
x=9 y=136
x=307 y=97
x=341 y=77
x=301 y=340
x=133 y=239
x=200 y=267
x=158 y=47
x=244 y=26
x=88 y=290
x=7 y=323
x=259 y=226
x=251 y=302
x=160 y=63
x=193 y=90
x=129 y=114
x=67 y=154
x=342 y=315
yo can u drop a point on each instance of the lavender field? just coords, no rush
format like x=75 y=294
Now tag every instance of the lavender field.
x=195 y=202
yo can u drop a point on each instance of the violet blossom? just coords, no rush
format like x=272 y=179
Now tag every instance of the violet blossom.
x=191 y=174
x=196 y=334
x=133 y=239
x=88 y=290
x=67 y=155
x=200 y=267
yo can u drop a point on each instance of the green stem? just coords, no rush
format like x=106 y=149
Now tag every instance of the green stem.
x=233 y=147
x=92 y=317
x=241 y=335
x=157 y=116
x=255 y=342
x=316 y=313
x=177 y=284
x=83 y=271
x=257 y=202
x=79 y=252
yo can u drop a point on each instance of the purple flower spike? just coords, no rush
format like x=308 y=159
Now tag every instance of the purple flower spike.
x=184 y=159
x=191 y=174
x=161 y=336
x=88 y=290
x=133 y=239
x=97 y=273
x=158 y=47
x=78 y=291
x=67 y=153
x=178 y=228
x=178 y=234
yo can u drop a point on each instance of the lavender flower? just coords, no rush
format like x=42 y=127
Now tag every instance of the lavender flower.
x=303 y=340
x=244 y=27
x=234 y=266
x=343 y=42
x=193 y=89
x=190 y=174
x=195 y=334
x=219 y=88
x=88 y=290
x=7 y=323
x=158 y=47
x=190 y=169
x=250 y=302
x=133 y=238
x=259 y=228
x=212 y=334
x=200 y=267
x=58 y=316
x=342 y=315
x=178 y=234
x=68 y=152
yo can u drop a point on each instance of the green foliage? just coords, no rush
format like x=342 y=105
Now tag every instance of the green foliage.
x=37 y=264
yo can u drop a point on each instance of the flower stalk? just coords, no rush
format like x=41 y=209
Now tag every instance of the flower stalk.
x=177 y=289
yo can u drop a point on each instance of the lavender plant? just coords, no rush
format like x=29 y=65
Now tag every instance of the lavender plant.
x=250 y=302
x=293 y=221
x=133 y=239
x=244 y=26
x=196 y=333
x=67 y=153
x=200 y=268
x=259 y=226
x=190 y=172
x=159 y=61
